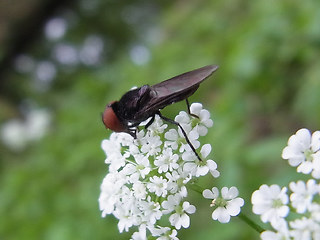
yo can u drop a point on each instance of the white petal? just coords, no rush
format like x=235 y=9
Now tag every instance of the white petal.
x=195 y=108
x=212 y=165
x=204 y=115
x=234 y=205
x=202 y=171
x=208 y=194
x=283 y=211
x=215 y=191
x=229 y=193
x=189 y=167
x=185 y=220
x=315 y=141
x=193 y=135
x=304 y=136
x=172 y=135
x=202 y=130
x=305 y=167
x=189 y=208
x=208 y=123
x=221 y=215
x=205 y=150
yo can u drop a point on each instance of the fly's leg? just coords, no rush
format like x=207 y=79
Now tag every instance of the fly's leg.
x=191 y=114
x=132 y=132
x=183 y=132
x=150 y=122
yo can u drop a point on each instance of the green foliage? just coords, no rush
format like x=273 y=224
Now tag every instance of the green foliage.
x=267 y=87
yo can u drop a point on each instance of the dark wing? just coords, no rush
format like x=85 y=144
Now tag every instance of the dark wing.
x=177 y=88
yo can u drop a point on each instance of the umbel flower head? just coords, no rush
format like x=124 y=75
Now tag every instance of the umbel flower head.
x=148 y=176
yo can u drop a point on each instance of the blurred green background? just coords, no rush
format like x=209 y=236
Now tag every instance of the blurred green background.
x=61 y=62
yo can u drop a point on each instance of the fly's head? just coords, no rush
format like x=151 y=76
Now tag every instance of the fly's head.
x=111 y=120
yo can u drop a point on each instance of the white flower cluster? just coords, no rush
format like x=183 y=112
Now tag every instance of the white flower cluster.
x=295 y=215
x=147 y=176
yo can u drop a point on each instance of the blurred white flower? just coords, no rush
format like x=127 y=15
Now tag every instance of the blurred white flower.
x=16 y=134
x=303 y=152
x=140 y=55
x=271 y=203
x=305 y=229
x=270 y=235
x=226 y=206
x=55 y=28
x=91 y=51
x=302 y=194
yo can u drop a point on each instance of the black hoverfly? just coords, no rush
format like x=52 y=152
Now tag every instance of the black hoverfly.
x=139 y=104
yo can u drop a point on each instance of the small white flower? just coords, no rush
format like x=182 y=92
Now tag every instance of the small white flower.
x=301 y=150
x=203 y=122
x=180 y=218
x=151 y=210
x=112 y=149
x=305 y=229
x=281 y=232
x=172 y=135
x=164 y=233
x=225 y=206
x=141 y=234
x=176 y=138
x=183 y=118
x=177 y=181
x=158 y=185
x=270 y=203
x=171 y=234
x=200 y=168
x=166 y=161
x=111 y=188
x=269 y=235
x=302 y=194
x=126 y=220
x=150 y=144
x=139 y=190
x=314 y=210
x=170 y=204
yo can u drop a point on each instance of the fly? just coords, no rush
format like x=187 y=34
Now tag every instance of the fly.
x=139 y=104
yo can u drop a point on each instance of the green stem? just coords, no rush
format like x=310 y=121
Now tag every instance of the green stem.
x=196 y=188
x=250 y=222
